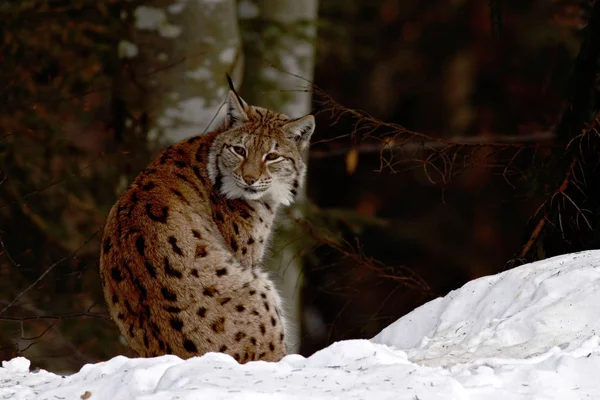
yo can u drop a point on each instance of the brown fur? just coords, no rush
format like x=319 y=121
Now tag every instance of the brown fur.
x=181 y=254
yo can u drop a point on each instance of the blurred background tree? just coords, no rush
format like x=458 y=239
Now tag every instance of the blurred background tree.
x=397 y=212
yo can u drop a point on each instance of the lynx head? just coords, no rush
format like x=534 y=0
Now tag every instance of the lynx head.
x=258 y=153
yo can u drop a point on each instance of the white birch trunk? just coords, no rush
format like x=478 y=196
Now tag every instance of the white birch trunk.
x=269 y=81
x=181 y=50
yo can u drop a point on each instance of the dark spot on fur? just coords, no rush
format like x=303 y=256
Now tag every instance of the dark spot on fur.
x=121 y=316
x=181 y=152
x=107 y=245
x=271 y=347
x=224 y=300
x=160 y=217
x=171 y=309
x=140 y=245
x=244 y=250
x=240 y=308
x=253 y=341
x=252 y=292
x=218 y=325
x=262 y=329
x=116 y=274
x=250 y=241
x=155 y=328
x=180 y=196
x=115 y=298
x=169 y=350
x=296 y=184
x=173 y=243
x=169 y=270
x=199 y=176
x=190 y=346
x=294 y=192
x=167 y=294
x=202 y=312
x=201 y=251
x=196 y=234
x=264 y=296
x=195 y=273
x=213 y=197
x=254 y=312
x=261 y=355
x=186 y=180
x=221 y=271
x=236 y=356
x=142 y=290
x=180 y=164
x=223 y=349
x=267 y=206
x=209 y=291
x=165 y=156
x=267 y=306
x=236 y=228
x=281 y=337
x=273 y=321
x=239 y=336
x=146 y=341
x=219 y=217
x=131 y=327
x=176 y=324
x=261 y=241
x=161 y=345
x=234 y=245
x=149 y=186
x=246 y=356
x=244 y=214
x=151 y=269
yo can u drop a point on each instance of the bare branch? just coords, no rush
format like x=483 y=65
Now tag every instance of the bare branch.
x=50 y=268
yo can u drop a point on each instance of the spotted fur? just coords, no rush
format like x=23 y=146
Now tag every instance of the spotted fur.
x=183 y=246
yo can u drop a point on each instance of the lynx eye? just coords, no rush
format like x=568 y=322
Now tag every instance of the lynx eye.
x=239 y=150
x=272 y=157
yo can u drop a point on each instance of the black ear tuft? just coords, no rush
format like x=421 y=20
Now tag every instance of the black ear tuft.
x=232 y=88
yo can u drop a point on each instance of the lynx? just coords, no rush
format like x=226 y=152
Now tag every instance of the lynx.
x=182 y=248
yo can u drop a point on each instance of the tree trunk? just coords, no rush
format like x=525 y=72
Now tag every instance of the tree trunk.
x=569 y=220
x=279 y=46
x=179 y=52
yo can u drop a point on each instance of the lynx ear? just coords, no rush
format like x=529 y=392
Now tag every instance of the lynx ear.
x=236 y=110
x=300 y=130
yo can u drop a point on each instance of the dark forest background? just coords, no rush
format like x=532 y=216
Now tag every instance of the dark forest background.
x=455 y=139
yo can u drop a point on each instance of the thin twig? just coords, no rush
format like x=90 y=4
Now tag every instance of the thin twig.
x=50 y=268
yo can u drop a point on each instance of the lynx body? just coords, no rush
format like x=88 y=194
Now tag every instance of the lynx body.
x=183 y=246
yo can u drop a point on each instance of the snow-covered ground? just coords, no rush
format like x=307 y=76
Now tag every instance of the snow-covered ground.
x=529 y=333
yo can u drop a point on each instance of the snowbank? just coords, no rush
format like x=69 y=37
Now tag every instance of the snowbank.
x=528 y=333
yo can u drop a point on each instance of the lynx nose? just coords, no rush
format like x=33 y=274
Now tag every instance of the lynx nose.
x=250 y=178
x=250 y=173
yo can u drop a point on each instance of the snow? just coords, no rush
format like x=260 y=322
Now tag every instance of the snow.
x=527 y=333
